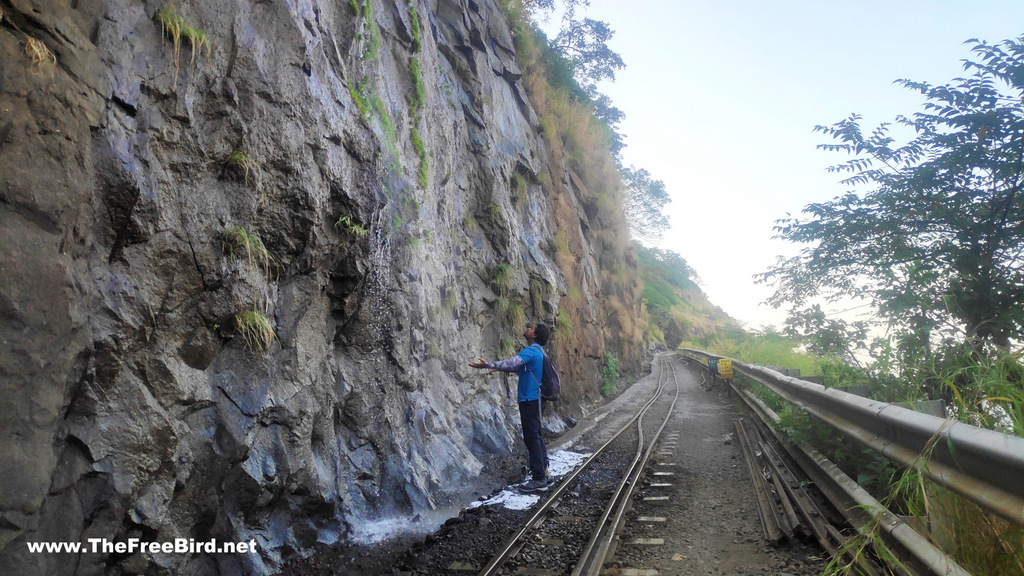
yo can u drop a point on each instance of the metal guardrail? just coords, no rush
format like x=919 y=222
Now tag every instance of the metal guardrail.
x=917 y=553
x=984 y=466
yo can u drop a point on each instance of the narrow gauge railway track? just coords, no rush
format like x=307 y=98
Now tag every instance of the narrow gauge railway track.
x=571 y=534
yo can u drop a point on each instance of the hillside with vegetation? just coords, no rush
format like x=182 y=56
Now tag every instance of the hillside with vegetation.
x=678 y=310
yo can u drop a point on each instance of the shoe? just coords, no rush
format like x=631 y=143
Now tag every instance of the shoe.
x=534 y=486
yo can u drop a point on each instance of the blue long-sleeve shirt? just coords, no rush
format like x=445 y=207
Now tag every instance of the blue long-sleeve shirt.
x=529 y=364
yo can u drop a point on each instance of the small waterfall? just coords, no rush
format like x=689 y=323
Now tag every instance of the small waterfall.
x=378 y=288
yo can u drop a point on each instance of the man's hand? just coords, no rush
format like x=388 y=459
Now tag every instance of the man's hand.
x=480 y=364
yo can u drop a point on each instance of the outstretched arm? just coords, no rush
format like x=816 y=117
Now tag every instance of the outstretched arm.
x=510 y=365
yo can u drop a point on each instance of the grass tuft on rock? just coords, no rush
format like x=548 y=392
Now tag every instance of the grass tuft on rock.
x=346 y=223
x=38 y=52
x=239 y=242
x=243 y=162
x=176 y=27
x=255 y=329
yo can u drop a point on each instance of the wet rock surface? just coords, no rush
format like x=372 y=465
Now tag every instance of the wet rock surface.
x=711 y=525
x=131 y=405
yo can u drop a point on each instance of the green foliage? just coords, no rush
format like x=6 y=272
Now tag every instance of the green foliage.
x=175 y=26
x=237 y=242
x=676 y=306
x=516 y=317
x=518 y=182
x=824 y=336
x=560 y=242
x=385 y=121
x=243 y=162
x=549 y=128
x=506 y=348
x=414 y=24
x=346 y=223
x=985 y=391
x=667 y=265
x=423 y=178
x=872 y=472
x=977 y=540
x=767 y=348
x=373 y=48
x=578 y=138
x=645 y=204
x=563 y=326
x=573 y=293
x=936 y=239
x=254 y=327
x=519 y=188
x=358 y=93
x=366 y=100
x=575 y=61
x=433 y=350
x=544 y=178
x=496 y=213
x=609 y=373
x=584 y=44
x=502 y=275
x=419 y=94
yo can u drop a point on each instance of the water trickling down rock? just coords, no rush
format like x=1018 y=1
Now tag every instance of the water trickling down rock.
x=130 y=405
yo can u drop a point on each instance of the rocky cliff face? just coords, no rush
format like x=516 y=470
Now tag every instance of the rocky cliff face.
x=244 y=269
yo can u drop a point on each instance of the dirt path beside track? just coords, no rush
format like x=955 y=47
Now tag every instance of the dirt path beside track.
x=711 y=525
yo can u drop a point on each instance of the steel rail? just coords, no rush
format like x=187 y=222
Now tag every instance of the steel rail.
x=592 y=559
x=510 y=545
x=984 y=466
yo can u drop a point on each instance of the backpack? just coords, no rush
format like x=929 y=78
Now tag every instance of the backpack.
x=550 y=385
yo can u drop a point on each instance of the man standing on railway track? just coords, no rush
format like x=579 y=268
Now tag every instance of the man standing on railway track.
x=529 y=365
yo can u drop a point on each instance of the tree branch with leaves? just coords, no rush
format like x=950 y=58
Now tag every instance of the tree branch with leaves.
x=938 y=234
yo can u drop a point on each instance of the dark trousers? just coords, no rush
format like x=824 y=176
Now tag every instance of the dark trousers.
x=529 y=412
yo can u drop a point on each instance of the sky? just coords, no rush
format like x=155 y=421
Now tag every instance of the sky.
x=721 y=99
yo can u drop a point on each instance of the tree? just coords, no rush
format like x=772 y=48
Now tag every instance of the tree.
x=644 y=202
x=584 y=42
x=824 y=336
x=937 y=239
x=579 y=57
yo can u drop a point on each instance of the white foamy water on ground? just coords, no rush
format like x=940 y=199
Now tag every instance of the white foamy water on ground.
x=560 y=463
x=508 y=499
x=364 y=531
